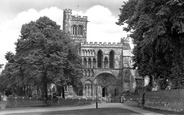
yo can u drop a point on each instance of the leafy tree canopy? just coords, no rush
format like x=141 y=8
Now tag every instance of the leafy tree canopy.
x=44 y=55
x=157 y=28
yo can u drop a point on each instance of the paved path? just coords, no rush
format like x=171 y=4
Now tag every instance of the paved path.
x=52 y=109
x=139 y=110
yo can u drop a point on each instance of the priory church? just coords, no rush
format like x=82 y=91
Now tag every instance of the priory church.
x=107 y=67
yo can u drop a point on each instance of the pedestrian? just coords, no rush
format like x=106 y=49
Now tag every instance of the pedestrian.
x=122 y=99
x=4 y=97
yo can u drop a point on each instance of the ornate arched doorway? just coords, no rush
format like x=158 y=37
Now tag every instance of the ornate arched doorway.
x=104 y=91
x=88 y=88
x=106 y=84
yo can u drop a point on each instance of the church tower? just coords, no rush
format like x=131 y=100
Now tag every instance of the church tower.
x=76 y=26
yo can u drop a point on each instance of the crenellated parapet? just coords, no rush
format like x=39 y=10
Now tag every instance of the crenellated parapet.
x=102 y=44
x=80 y=18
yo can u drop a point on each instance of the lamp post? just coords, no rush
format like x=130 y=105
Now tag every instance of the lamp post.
x=96 y=85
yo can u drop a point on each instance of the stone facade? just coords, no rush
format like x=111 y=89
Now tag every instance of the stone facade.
x=108 y=64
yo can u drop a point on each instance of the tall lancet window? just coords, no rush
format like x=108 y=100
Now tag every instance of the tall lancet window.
x=80 y=30
x=111 y=59
x=94 y=63
x=105 y=62
x=74 y=29
x=85 y=62
x=89 y=63
x=99 y=57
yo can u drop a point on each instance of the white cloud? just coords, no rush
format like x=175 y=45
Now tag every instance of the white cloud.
x=101 y=28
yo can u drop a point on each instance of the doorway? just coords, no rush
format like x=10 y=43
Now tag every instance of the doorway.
x=104 y=92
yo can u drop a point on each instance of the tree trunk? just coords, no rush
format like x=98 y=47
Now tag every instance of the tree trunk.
x=63 y=92
x=44 y=91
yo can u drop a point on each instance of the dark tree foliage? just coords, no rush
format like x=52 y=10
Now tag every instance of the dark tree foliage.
x=157 y=29
x=44 y=55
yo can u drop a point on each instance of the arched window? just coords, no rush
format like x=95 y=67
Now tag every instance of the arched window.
x=85 y=62
x=93 y=52
x=94 y=63
x=88 y=53
x=105 y=62
x=83 y=53
x=89 y=63
x=111 y=59
x=92 y=71
x=88 y=88
x=83 y=73
x=74 y=30
x=80 y=30
x=99 y=57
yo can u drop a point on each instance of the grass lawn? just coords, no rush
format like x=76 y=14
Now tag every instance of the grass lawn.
x=100 y=111
x=165 y=112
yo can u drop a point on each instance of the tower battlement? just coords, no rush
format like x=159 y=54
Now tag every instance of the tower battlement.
x=67 y=11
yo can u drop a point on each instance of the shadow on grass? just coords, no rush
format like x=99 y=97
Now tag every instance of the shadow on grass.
x=100 y=111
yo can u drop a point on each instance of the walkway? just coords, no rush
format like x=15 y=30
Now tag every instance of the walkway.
x=139 y=110
x=52 y=109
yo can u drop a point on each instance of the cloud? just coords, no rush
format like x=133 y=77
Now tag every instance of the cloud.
x=101 y=26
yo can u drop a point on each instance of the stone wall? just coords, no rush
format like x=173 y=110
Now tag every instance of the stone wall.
x=171 y=100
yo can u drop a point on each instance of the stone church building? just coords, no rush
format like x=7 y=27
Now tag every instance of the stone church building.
x=106 y=66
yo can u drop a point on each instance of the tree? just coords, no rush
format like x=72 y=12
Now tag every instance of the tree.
x=10 y=57
x=7 y=77
x=45 y=55
x=157 y=29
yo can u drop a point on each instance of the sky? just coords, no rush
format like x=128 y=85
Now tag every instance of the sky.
x=102 y=16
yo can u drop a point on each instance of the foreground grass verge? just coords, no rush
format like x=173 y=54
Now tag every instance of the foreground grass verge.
x=100 y=111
